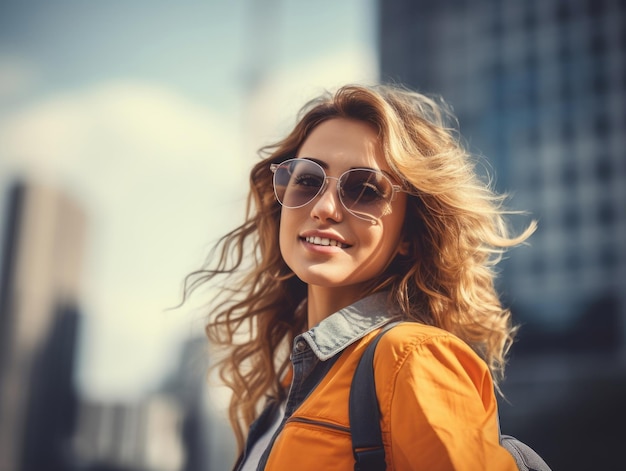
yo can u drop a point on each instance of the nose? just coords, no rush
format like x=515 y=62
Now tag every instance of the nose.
x=327 y=205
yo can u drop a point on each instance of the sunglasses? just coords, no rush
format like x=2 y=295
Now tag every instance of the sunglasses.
x=365 y=193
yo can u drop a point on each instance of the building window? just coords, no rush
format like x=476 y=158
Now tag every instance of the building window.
x=571 y=218
x=603 y=168
x=533 y=136
x=608 y=257
x=573 y=261
x=563 y=11
x=567 y=128
x=596 y=8
x=569 y=176
x=601 y=125
x=530 y=17
x=597 y=43
x=605 y=213
x=599 y=80
x=535 y=180
x=538 y=265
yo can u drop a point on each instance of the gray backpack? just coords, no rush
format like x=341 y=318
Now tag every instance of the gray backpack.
x=367 y=443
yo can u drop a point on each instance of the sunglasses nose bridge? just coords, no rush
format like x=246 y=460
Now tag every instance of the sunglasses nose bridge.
x=325 y=199
x=326 y=186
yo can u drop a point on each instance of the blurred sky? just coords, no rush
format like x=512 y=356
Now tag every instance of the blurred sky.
x=149 y=113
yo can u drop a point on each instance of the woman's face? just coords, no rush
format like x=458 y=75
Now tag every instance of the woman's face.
x=323 y=243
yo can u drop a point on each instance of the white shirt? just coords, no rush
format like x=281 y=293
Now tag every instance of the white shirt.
x=257 y=450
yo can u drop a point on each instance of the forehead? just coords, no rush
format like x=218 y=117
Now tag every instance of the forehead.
x=344 y=143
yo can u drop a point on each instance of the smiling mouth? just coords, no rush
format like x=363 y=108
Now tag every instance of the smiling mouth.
x=325 y=242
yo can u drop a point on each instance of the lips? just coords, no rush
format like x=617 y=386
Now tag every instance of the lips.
x=325 y=241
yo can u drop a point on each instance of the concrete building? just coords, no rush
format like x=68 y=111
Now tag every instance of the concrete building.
x=41 y=272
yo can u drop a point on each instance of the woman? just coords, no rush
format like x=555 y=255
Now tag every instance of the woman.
x=368 y=211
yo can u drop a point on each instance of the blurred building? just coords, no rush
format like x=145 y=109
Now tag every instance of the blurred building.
x=41 y=268
x=140 y=436
x=45 y=424
x=177 y=427
x=206 y=435
x=539 y=88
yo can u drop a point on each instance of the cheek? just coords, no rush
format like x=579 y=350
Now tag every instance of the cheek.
x=285 y=235
x=378 y=245
x=391 y=237
x=386 y=246
x=394 y=221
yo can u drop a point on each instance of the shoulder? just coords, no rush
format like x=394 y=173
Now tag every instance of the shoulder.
x=415 y=332
x=428 y=349
x=437 y=401
x=409 y=336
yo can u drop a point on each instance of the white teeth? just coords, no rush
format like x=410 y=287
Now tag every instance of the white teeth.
x=324 y=241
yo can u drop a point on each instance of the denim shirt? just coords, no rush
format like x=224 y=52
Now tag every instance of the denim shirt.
x=314 y=352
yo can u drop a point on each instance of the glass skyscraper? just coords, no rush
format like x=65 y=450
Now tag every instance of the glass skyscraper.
x=539 y=89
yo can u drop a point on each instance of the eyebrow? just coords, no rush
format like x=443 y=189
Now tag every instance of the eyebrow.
x=324 y=165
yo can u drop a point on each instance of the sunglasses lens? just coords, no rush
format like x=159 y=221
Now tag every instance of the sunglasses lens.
x=366 y=193
x=297 y=182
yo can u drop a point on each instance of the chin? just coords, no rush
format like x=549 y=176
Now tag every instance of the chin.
x=320 y=280
x=326 y=279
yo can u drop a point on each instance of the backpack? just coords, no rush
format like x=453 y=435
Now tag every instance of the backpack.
x=367 y=443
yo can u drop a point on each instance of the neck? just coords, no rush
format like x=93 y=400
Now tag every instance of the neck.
x=322 y=302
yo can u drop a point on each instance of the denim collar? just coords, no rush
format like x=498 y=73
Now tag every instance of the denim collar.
x=349 y=324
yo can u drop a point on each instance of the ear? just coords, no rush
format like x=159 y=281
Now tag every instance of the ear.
x=404 y=247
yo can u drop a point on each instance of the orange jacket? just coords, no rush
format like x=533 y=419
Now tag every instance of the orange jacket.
x=438 y=408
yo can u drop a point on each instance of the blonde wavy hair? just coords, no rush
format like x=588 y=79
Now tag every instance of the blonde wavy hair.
x=454 y=221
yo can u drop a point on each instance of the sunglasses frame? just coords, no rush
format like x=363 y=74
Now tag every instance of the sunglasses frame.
x=394 y=188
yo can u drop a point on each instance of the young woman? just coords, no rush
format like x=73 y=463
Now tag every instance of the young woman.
x=369 y=211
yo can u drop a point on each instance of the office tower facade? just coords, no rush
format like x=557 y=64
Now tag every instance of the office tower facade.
x=539 y=88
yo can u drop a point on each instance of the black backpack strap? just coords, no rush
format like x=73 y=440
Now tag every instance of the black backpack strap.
x=367 y=442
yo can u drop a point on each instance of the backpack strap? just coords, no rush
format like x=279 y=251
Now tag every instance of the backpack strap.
x=367 y=442
x=526 y=458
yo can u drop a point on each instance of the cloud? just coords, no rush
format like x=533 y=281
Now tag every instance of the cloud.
x=160 y=177
x=116 y=125
x=277 y=97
